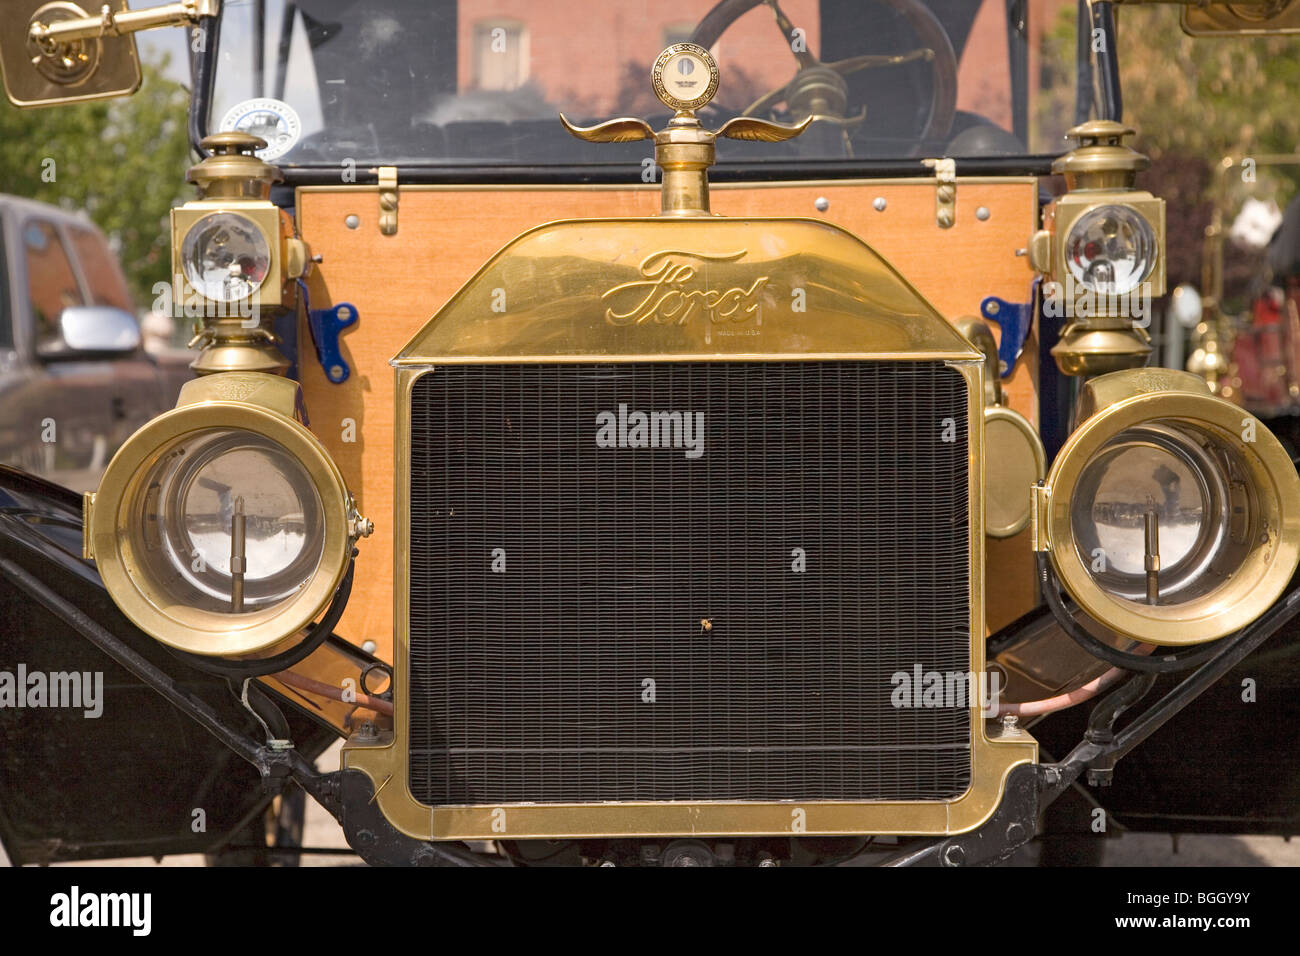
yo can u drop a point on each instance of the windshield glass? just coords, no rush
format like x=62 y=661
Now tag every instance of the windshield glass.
x=481 y=82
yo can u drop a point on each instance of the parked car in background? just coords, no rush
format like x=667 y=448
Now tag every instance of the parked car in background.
x=75 y=380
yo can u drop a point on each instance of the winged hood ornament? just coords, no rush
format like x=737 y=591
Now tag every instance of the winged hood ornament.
x=685 y=78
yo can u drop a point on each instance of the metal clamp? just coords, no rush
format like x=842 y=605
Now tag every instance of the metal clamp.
x=945 y=193
x=388 y=200
x=1015 y=319
x=326 y=326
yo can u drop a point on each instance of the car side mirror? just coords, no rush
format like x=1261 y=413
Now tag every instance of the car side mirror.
x=41 y=72
x=86 y=330
x=55 y=51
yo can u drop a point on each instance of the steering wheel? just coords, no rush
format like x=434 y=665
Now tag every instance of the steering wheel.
x=819 y=88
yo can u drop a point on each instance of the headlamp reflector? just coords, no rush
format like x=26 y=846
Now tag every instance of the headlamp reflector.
x=225 y=256
x=1110 y=249
x=203 y=486
x=1157 y=492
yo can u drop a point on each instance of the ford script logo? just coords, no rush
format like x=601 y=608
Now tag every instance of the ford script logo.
x=668 y=293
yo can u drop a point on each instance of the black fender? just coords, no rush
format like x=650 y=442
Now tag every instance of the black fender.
x=141 y=778
x=1227 y=763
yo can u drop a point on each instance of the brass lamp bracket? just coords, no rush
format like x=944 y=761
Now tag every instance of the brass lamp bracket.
x=945 y=191
x=1038 y=539
x=388 y=200
x=685 y=78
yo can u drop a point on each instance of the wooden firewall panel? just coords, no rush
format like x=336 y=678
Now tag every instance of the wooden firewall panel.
x=445 y=234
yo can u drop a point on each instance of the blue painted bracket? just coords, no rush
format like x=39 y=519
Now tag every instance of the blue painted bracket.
x=1015 y=319
x=326 y=326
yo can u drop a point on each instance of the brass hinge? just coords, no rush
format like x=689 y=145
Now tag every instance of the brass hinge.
x=945 y=191
x=1038 y=518
x=388 y=200
x=87 y=508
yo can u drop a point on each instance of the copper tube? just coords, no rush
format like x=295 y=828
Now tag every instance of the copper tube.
x=1048 y=705
x=378 y=705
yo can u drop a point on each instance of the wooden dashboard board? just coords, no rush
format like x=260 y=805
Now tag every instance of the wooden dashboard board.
x=398 y=282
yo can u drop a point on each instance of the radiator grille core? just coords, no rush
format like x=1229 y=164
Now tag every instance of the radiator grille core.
x=595 y=623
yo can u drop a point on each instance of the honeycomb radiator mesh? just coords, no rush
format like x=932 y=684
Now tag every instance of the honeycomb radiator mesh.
x=715 y=619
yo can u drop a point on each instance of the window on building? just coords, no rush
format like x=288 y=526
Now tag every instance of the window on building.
x=500 y=55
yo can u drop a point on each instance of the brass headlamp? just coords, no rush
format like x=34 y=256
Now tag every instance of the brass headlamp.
x=1170 y=515
x=223 y=527
x=235 y=257
x=1103 y=253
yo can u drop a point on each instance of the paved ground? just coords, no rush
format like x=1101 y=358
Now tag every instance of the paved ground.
x=1142 y=849
x=1127 y=850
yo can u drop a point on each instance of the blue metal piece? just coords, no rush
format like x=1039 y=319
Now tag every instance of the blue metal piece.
x=326 y=326
x=1015 y=319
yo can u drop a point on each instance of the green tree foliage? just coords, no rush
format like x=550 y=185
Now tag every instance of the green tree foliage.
x=1195 y=100
x=123 y=161
x=1188 y=96
x=1192 y=100
x=1208 y=96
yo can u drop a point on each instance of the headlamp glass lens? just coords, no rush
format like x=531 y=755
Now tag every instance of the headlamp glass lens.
x=1156 y=498
x=1110 y=249
x=225 y=257
x=230 y=522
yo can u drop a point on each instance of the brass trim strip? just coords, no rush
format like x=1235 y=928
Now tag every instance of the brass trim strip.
x=654 y=187
x=87 y=513
x=571 y=359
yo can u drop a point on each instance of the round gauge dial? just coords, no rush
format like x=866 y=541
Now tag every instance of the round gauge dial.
x=685 y=76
